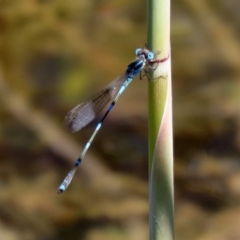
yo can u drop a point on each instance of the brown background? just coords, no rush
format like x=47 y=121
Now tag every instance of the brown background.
x=56 y=53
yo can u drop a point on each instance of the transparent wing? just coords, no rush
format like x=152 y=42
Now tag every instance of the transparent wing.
x=85 y=112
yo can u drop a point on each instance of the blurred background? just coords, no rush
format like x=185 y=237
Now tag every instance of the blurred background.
x=55 y=54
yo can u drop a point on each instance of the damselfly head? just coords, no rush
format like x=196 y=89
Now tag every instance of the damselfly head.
x=147 y=54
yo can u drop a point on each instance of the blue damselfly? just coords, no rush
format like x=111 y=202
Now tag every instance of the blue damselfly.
x=84 y=113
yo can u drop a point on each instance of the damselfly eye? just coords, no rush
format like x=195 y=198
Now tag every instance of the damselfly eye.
x=137 y=51
x=150 y=55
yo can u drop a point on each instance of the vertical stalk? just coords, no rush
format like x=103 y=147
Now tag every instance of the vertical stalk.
x=161 y=202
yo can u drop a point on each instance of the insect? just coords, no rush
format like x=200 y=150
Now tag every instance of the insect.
x=84 y=113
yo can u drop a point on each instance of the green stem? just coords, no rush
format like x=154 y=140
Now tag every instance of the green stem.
x=161 y=206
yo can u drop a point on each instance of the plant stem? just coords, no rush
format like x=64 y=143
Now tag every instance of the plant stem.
x=161 y=206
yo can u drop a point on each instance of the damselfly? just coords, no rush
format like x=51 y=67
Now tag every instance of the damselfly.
x=84 y=113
